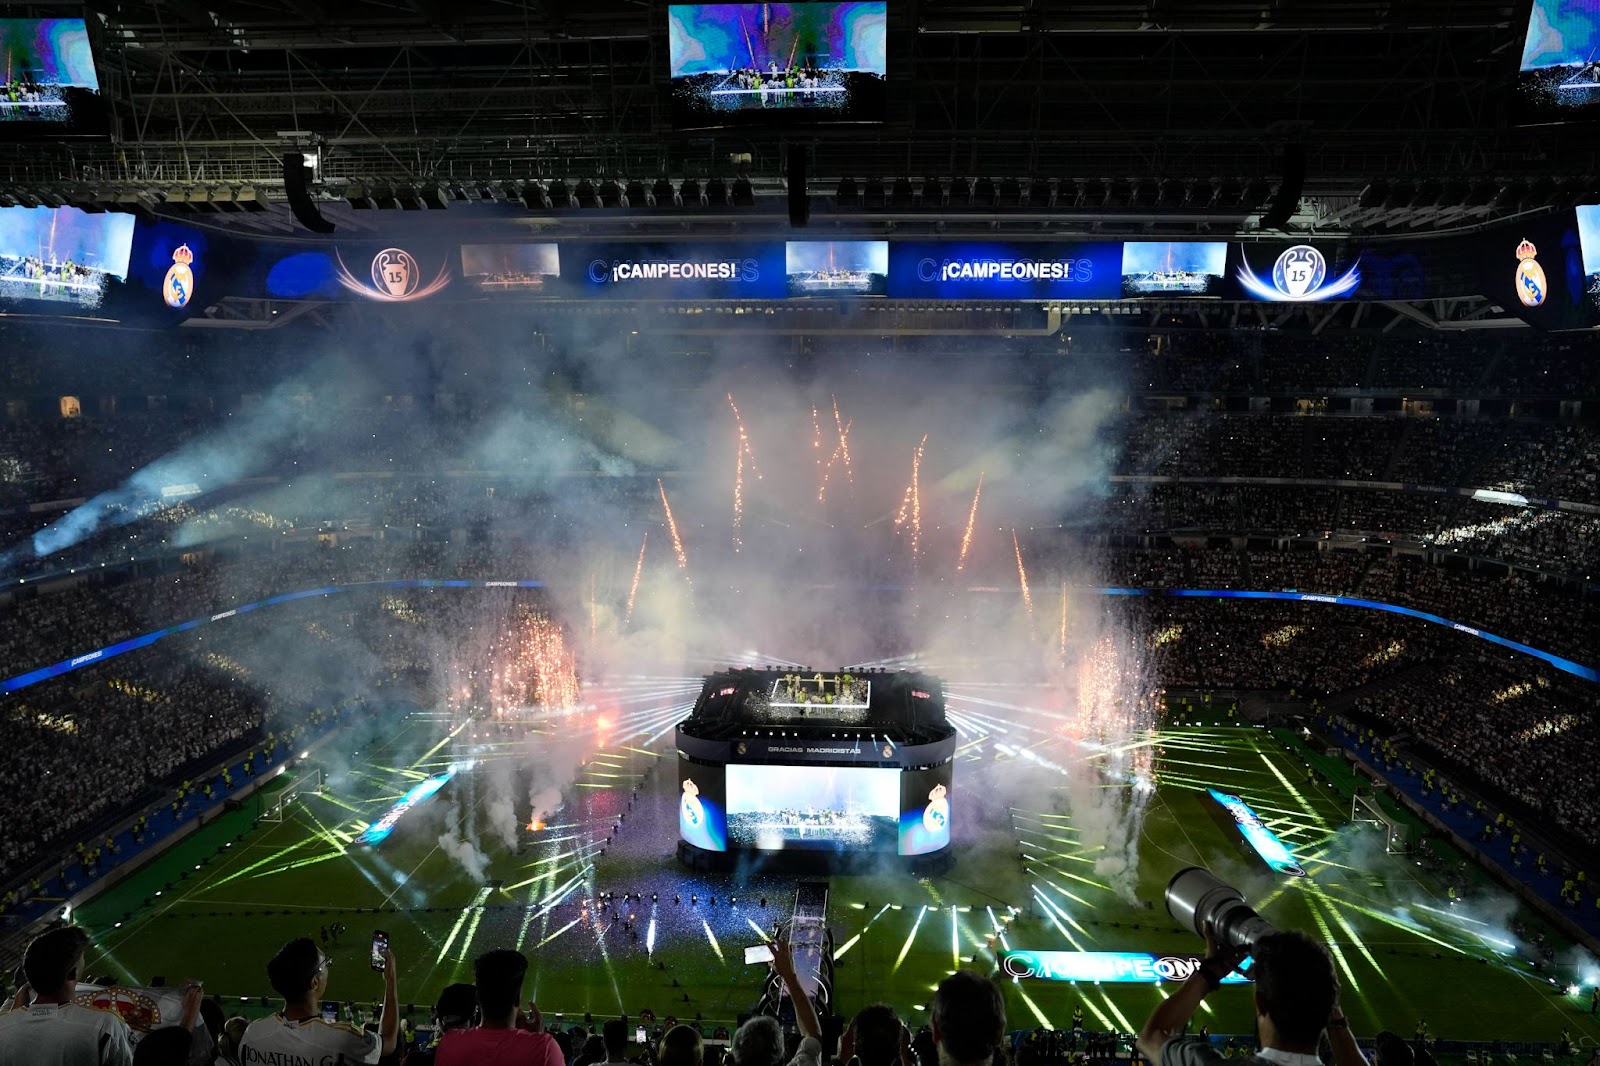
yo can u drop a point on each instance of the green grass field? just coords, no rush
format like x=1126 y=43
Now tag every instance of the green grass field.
x=1401 y=950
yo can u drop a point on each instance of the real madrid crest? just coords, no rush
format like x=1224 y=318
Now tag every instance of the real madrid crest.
x=178 y=286
x=1529 y=279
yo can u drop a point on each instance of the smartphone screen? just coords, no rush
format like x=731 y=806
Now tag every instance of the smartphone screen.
x=330 y=1012
x=380 y=944
x=640 y=1036
x=759 y=953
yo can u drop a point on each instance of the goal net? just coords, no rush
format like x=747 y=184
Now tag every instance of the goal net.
x=276 y=806
x=1365 y=809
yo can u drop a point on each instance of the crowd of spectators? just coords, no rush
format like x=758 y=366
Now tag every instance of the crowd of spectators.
x=1525 y=731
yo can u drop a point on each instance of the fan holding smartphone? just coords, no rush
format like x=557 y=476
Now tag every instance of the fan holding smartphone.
x=380 y=950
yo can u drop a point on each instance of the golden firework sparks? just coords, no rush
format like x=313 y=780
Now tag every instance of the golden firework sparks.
x=1022 y=574
x=972 y=516
x=910 y=514
x=744 y=452
x=672 y=528
x=638 y=568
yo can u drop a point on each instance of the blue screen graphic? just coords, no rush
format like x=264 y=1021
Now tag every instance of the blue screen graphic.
x=701 y=818
x=44 y=53
x=926 y=811
x=1106 y=967
x=1589 y=243
x=379 y=831
x=677 y=271
x=62 y=253
x=996 y=271
x=1562 y=33
x=717 y=38
x=1263 y=840
x=1559 y=79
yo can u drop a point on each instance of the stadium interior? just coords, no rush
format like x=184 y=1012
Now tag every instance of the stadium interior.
x=640 y=485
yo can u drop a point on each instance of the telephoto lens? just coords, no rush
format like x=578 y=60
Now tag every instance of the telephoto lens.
x=1197 y=899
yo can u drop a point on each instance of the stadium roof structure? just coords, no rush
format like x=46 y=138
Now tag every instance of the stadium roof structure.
x=1118 y=117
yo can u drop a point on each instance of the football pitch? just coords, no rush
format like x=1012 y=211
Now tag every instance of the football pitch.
x=451 y=882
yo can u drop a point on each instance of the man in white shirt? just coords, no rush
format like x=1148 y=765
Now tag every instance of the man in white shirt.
x=44 y=1027
x=1297 y=1000
x=298 y=1034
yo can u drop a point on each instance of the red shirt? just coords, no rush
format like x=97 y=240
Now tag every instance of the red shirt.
x=498 y=1047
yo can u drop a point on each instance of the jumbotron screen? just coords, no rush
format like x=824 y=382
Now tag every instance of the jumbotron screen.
x=61 y=254
x=777 y=64
x=1559 y=77
x=1589 y=248
x=766 y=807
x=49 y=87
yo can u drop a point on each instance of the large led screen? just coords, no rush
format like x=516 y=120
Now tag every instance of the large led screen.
x=702 y=819
x=772 y=64
x=834 y=808
x=837 y=268
x=1589 y=242
x=49 y=87
x=1173 y=268
x=1559 y=77
x=925 y=810
x=61 y=254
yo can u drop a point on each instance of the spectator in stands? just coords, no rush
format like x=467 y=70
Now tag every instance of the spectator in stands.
x=615 y=1035
x=44 y=1027
x=299 y=973
x=759 y=1041
x=593 y=1053
x=969 y=1020
x=876 y=1037
x=504 y=1036
x=1297 y=999
x=455 y=1008
x=1392 y=1050
x=681 y=1046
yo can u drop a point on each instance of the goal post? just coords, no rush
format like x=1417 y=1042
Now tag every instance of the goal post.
x=275 y=807
x=1366 y=809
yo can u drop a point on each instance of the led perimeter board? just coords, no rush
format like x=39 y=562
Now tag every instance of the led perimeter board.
x=842 y=762
x=777 y=64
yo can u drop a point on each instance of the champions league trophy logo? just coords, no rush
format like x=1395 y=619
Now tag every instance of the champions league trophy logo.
x=1300 y=275
x=691 y=812
x=178 y=286
x=1299 y=271
x=395 y=277
x=394 y=273
x=936 y=815
x=1530 y=279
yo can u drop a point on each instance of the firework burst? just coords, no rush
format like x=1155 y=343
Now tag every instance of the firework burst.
x=972 y=517
x=672 y=528
x=1022 y=574
x=638 y=568
x=744 y=452
x=909 y=516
